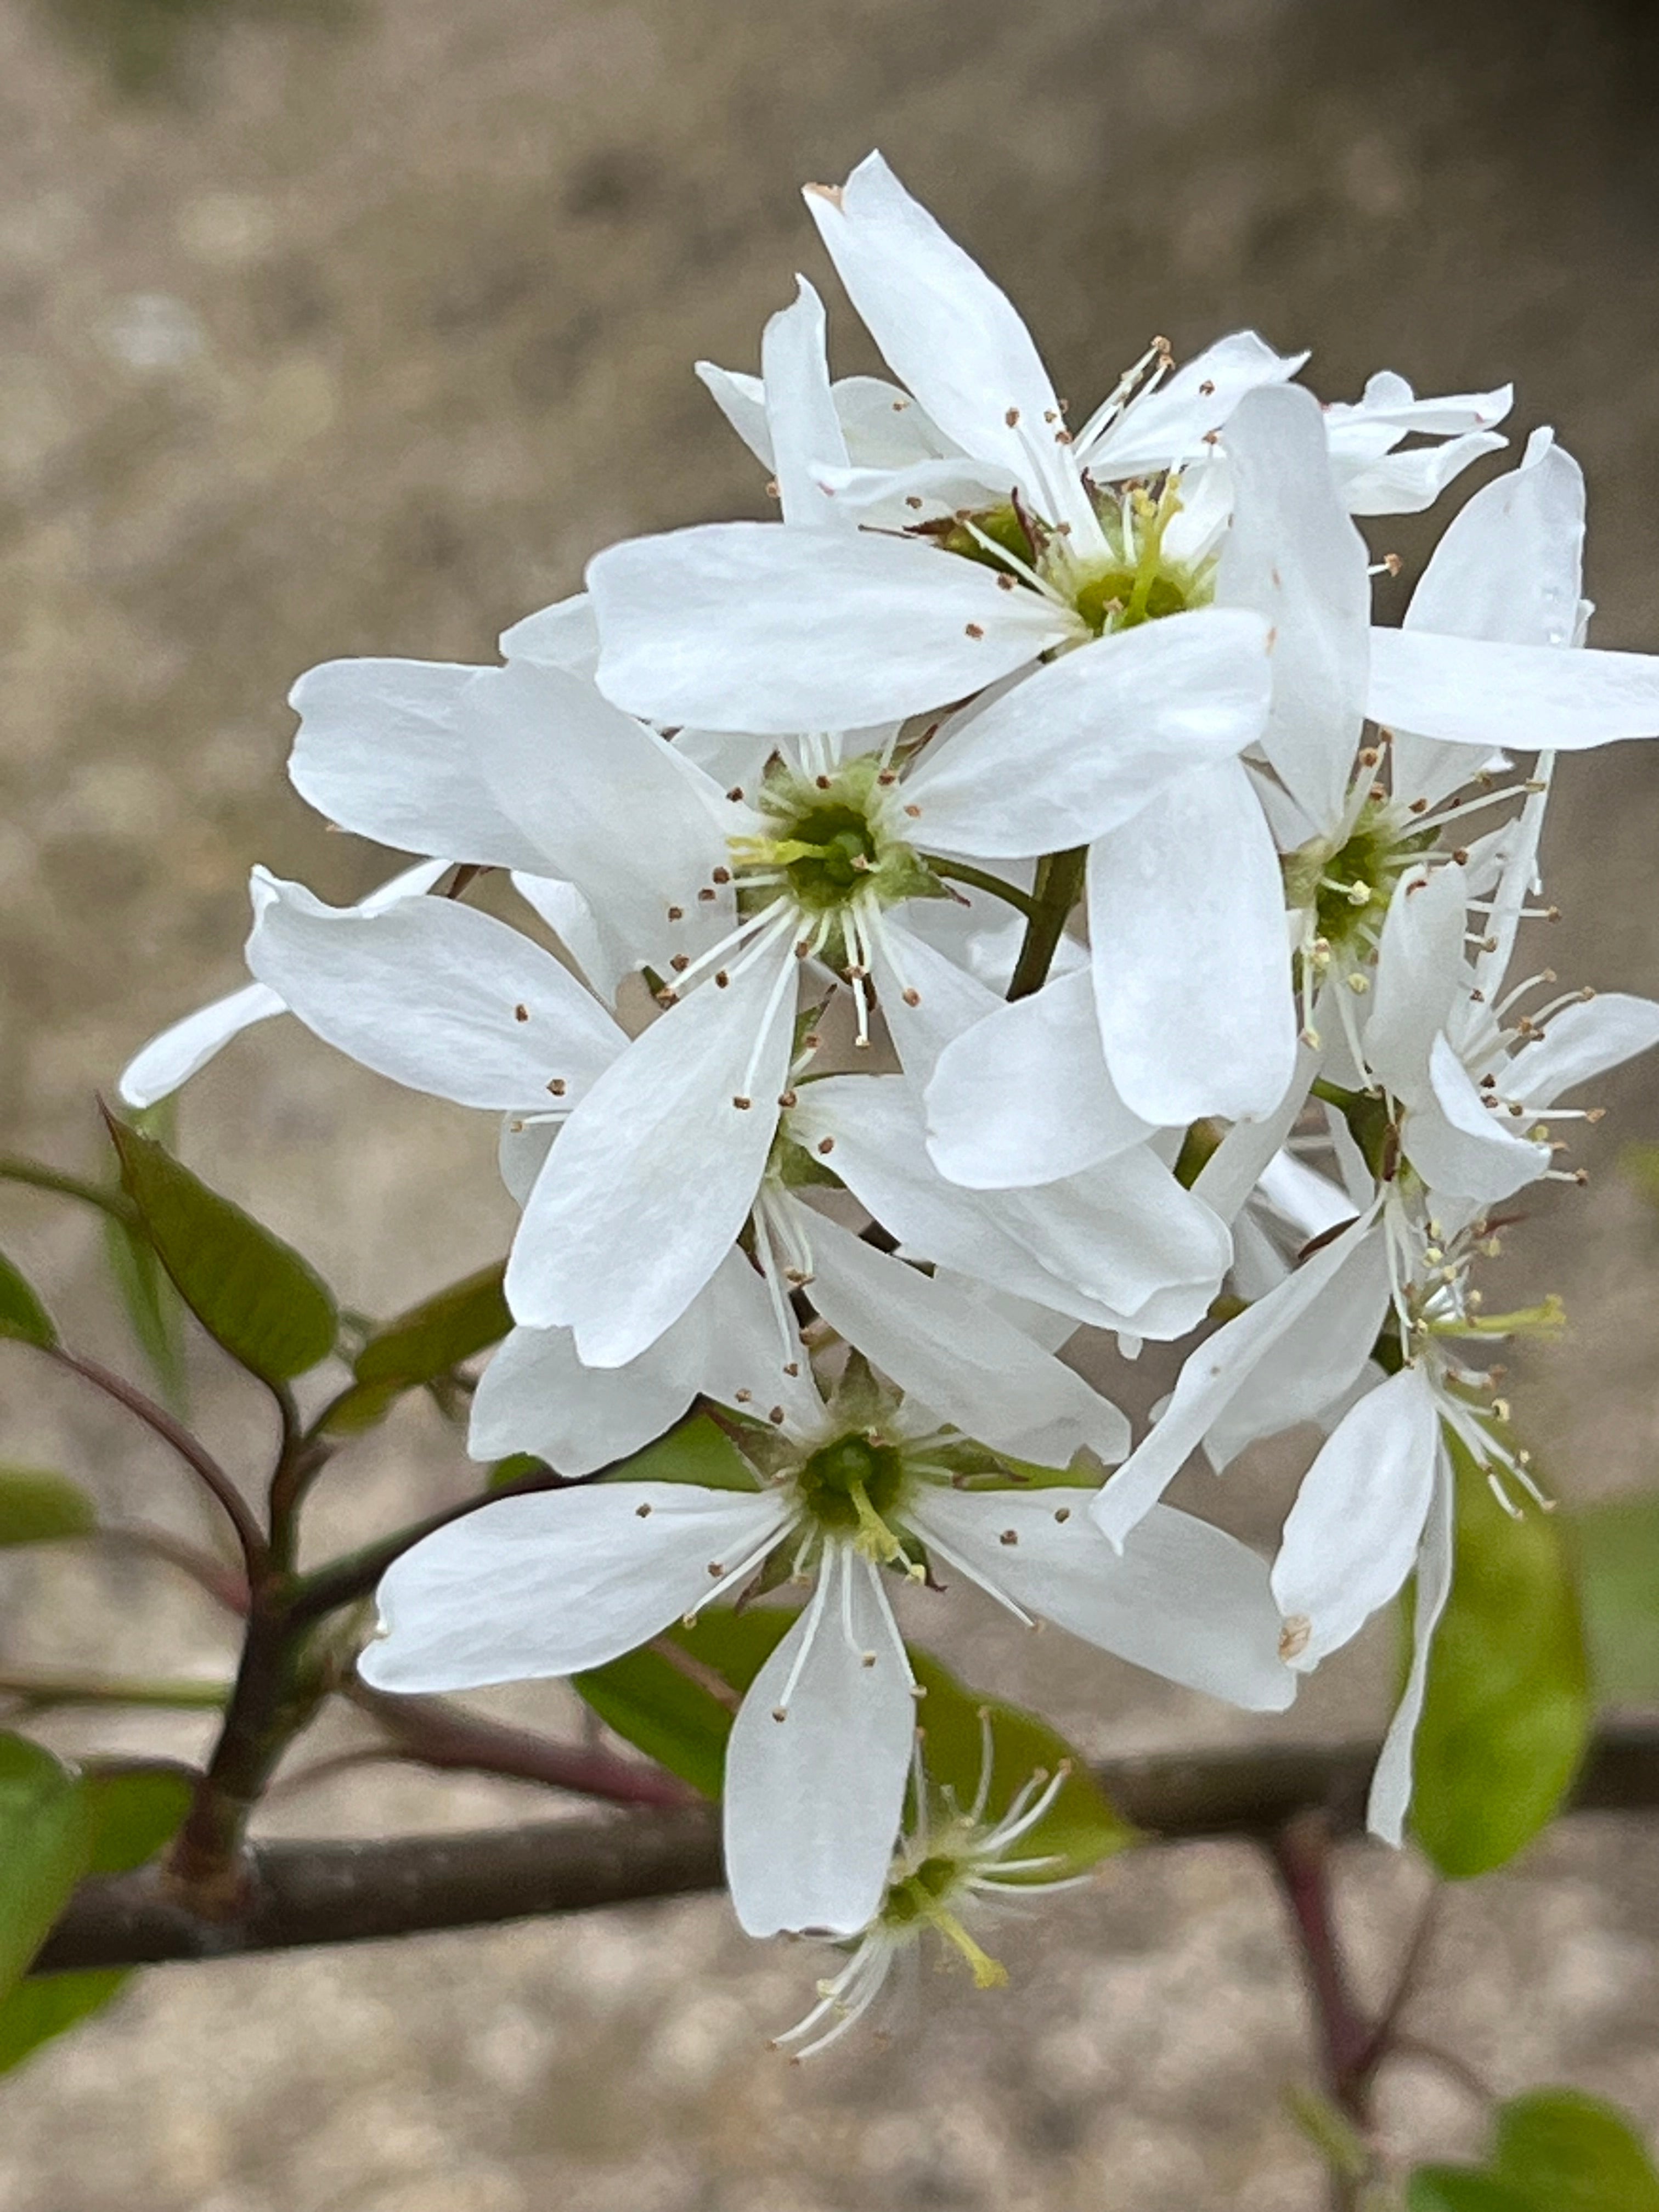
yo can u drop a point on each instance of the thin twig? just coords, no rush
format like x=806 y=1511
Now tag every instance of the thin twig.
x=342 y=1893
x=189 y=1448
x=443 y=1735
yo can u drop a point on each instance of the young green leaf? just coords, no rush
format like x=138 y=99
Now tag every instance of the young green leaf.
x=35 y=2011
x=252 y=1292
x=154 y=1308
x=1508 y=1710
x=131 y=1812
x=1617 y=1544
x=1461 y=2189
x=21 y=1314
x=1079 y=1829
x=40 y=1508
x=680 y=1714
x=44 y=1845
x=439 y=1334
x=1566 y=2152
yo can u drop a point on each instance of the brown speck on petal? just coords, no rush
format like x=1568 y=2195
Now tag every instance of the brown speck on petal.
x=705 y=894
x=641 y=1512
x=716 y=1568
x=521 y=1013
x=914 y=811
x=1012 y=418
x=1009 y=1536
x=776 y=1417
x=911 y=997
x=973 y=630
x=1062 y=1514
x=826 y=1145
x=1005 y=582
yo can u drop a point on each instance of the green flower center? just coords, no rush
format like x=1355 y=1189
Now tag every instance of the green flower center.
x=1132 y=582
x=852 y=1484
x=1347 y=888
x=921 y=1900
x=825 y=854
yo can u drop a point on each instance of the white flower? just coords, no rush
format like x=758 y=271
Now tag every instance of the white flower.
x=541 y=1585
x=955 y=1868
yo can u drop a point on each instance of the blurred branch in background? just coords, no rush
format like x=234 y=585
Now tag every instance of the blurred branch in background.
x=302 y=1894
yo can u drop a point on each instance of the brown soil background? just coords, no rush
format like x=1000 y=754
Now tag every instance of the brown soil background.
x=354 y=329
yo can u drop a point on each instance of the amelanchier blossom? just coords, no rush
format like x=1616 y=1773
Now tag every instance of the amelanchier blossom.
x=1030 y=888
x=851 y=1493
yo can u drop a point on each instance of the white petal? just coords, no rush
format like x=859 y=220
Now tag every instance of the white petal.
x=1295 y=558
x=1530 y=697
x=386 y=749
x=1353 y=1533
x=552 y=1582
x=949 y=333
x=1191 y=955
x=1024 y=1097
x=613 y=809
x=753 y=626
x=1460 y=1146
x=1314 y=1363
x=884 y=427
x=1421 y=974
x=1171 y=425
x=743 y=1360
x=599 y=953
x=806 y=432
x=1581 y=1042
x=741 y=400
x=1231 y=1174
x=1081 y=745
x=563 y=635
x=1120 y=1245
x=970 y=1366
x=1509 y=564
x=812 y=1802
x=655 y=1173
x=156 y=1069
x=1210 y=1379
x=932 y=489
x=432 y=994
x=1182 y=1599
x=1406 y=483
x=1391 y=1783
x=537 y=1396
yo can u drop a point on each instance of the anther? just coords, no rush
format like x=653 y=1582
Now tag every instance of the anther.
x=914 y=503
x=1005 y=582
x=775 y=1416
x=742 y=1396
x=676 y=914
x=556 y=1086
x=641 y=1512
x=680 y=963
x=826 y=1145
x=743 y=1104
x=888 y=775
x=822 y=782
x=1009 y=1536
x=1011 y=417
x=911 y=997
x=716 y=1569
x=521 y=1013
x=973 y=630
x=914 y=811
x=734 y=794
x=721 y=979
x=705 y=895
x=788 y=1098
x=1062 y=1514
x=721 y=875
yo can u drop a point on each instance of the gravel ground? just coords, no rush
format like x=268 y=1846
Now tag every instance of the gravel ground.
x=357 y=332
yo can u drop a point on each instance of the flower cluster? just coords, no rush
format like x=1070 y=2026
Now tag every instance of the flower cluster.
x=1019 y=890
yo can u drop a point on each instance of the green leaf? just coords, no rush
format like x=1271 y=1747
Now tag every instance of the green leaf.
x=131 y=1812
x=45 y=1844
x=1079 y=1829
x=36 y=2011
x=436 y=1335
x=21 y=1314
x=698 y=1451
x=154 y=1310
x=1617 y=1545
x=681 y=1716
x=252 y=1292
x=40 y=1508
x=1461 y=2189
x=1564 y=2152
x=1508 y=1710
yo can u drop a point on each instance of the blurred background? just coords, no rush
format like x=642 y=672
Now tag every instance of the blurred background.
x=335 y=326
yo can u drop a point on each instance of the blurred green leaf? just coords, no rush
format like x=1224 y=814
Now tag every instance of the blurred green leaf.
x=1553 y=2150
x=154 y=1310
x=1508 y=1710
x=1566 y=2152
x=681 y=1714
x=44 y=1844
x=1640 y=1164
x=37 y=1507
x=698 y=1451
x=21 y=1314
x=34 y=2011
x=252 y=1292
x=1617 y=1545
x=1459 y=2189
x=1079 y=1830
x=439 y=1334
x=131 y=1812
